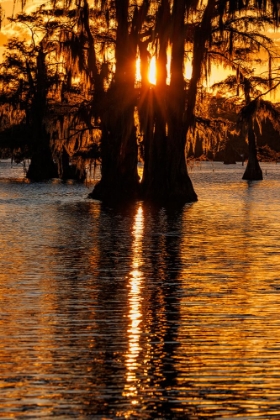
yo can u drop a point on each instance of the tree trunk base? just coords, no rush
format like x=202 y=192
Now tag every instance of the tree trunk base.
x=41 y=168
x=180 y=194
x=115 y=192
x=253 y=172
x=120 y=189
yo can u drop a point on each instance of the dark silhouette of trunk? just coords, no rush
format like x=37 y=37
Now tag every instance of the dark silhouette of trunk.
x=229 y=154
x=96 y=81
x=145 y=108
x=180 y=188
x=154 y=173
x=63 y=165
x=253 y=170
x=165 y=178
x=42 y=166
x=155 y=133
x=66 y=170
x=201 y=36
x=119 y=149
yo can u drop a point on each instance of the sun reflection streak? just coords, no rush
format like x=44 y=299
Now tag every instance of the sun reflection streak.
x=134 y=310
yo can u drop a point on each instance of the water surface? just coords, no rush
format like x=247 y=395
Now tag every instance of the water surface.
x=140 y=313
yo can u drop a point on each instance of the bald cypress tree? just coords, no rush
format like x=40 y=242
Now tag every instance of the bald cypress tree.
x=42 y=165
x=168 y=111
x=119 y=149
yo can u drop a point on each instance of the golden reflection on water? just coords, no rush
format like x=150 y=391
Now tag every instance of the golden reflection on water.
x=229 y=333
x=135 y=309
x=139 y=312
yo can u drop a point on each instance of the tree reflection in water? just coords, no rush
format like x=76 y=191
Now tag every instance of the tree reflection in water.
x=140 y=312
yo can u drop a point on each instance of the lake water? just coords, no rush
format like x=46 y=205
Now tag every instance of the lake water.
x=140 y=313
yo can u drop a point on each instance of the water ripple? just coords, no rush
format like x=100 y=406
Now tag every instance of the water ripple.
x=138 y=312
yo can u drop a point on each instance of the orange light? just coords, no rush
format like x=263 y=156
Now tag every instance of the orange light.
x=138 y=69
x=153 y=71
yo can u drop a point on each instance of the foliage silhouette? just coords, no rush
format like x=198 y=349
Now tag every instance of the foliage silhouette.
x=74 y=82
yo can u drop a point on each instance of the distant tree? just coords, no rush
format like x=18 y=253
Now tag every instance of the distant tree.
x=24 y=73
x=38 y=73
x=244 y=85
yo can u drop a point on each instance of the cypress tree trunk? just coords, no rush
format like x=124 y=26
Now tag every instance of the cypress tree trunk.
x=253 y=170
x=119 y=149
x=179 y=183
x=201 y=36
x=42 y=166
x=166 y=179
x=154 y=185
x=63 y=165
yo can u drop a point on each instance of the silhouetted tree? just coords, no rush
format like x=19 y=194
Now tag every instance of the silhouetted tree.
x=119 y=149
x=99 y=46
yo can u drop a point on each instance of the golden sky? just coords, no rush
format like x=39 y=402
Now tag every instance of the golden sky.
x=8 y=8
x=7 y=31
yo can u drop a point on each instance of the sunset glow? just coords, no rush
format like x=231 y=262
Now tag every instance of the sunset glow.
x=188 y=70
x=153 y=71
x=168 y=64
x=138 y=69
